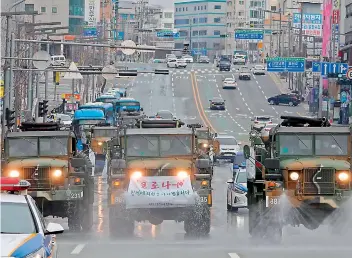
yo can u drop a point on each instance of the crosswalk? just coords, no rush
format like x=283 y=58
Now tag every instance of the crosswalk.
x=200 y=71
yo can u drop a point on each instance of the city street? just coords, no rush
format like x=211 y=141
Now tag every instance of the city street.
x=186 y=93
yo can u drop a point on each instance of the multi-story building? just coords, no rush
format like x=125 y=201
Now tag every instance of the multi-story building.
x=201 y=23
x=165 y=19
x=76 y=15
x=347 y=49
x=236 y=18
x=126 y=20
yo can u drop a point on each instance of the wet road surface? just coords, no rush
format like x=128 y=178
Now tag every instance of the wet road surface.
x=186 y=93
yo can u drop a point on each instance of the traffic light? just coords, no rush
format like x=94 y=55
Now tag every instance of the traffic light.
x=45 y=106
x=185 y=48
x=56 y=78
x=10 y=118
x=40 y=109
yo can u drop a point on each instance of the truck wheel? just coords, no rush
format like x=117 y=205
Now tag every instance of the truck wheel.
x=87 y=218
x=120 y=224
x=198 y=222
x=74 y=223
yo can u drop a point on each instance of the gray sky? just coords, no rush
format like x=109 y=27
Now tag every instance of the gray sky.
x=165 y=3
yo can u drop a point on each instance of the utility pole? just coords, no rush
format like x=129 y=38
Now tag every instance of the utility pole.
x=300 y=86
x=280 y=31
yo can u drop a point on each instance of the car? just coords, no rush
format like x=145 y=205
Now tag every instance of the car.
x=204 y=59
x=217 y=104
x=225 y=65
x=245 y=73
x=165 y=114
x=259 y=70
x=171 y=63
x=264 y=133
x=239 y=60
x=24 y=232
x=237 y=185
x=188 y=58
x=286 y=99
x=228 y=147
x=229 y=83
x=258 y=122
x=181 y=63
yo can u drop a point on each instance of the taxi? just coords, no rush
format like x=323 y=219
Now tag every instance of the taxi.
x=24 y=232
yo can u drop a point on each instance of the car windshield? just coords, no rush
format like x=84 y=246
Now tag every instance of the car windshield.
x=331 y=145
x=228 y=80
x=53 y=146
x=91 y=121
x=241 y=177
x=218 y=101
x=259 y=67
x=64 y=117
x=165 y=115
x=297 y=144
x=244 y=70
x=23 y=147
x=128 y=104
x=263 y=119
x=227 y=141
x=16 y=218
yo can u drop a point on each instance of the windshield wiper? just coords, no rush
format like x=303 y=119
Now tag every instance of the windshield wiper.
x=147 y=140
x=338 y=145
x=301 y=141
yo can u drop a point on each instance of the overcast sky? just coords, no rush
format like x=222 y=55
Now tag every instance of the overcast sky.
x=165 y=3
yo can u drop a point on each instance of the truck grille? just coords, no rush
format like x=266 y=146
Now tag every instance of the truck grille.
x=39 y=178
x=319 y=181
x=164 y=172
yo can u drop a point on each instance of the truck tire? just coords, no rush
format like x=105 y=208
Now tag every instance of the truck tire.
x=73 y=215
x=87 y=218
x=120 y=223
x=198 y=221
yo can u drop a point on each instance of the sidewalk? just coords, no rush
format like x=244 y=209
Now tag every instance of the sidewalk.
x=282 y=85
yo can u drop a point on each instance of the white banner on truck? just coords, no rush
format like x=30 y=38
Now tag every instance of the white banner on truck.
x=160 y=192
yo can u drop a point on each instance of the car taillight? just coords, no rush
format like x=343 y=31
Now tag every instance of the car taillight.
x=256 y=122
x=267 y=129
x=270 y=122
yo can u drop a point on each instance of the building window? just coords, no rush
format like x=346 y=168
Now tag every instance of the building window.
x=241 y=2
x=43 y=9
x=198 y=8
x=181 y=21
x=183 y=9
x=54 y=9
x=29 y=7
x=168 y=25
x=203 y=20
x=273 y=8
x=195 y=33
x=195 y=8
x=201 y=8
x=216 y=32
x=253 y=14
x=75 y=25
x=216 y=45
x=217 y=7
x=217 y=20
x=178 y=45
x=205 y=7
x=202 y=33
x=183 y=33
x=186 y=9
x=240 y=13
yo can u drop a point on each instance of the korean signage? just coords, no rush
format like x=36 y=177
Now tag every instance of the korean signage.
x=160 y=192
x=311 y=26
x=92 y=12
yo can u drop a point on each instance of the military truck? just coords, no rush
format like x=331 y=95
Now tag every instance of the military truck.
x=302 y=175
x=60 y=178
x=163 y=160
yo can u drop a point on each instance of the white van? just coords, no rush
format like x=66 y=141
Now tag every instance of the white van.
x=58 y=60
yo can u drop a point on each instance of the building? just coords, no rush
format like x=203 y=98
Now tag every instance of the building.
x=165 y=19
x=347 y=49
x=126 y=20
x=236 y=18
x=201 y=23
x=76 y=15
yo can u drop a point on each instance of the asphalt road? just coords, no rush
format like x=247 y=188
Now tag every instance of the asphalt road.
x=187 y=94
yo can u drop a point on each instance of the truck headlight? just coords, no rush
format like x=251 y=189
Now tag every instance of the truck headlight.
x=57 y=173
x=182 y=174
x=100 y=143
x=136 y=174
x=14 y=173
x=343 y=176
x=294 y=176
x=205 y=145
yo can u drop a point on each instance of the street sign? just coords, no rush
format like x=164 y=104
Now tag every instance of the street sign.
x=249 y=34
x=68 y=96
x=75 y=74
x=316 y=67
x=42 y=60
x=331 y=68
x=128 y=51
x=312 y=24
x=349 y=73
x=109 y=72
x=89 y=31
x=168 y=34
x=286 y=64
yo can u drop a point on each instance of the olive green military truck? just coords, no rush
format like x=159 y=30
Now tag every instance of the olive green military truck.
x=159 y=177
x=60 y=178
x=301 y=176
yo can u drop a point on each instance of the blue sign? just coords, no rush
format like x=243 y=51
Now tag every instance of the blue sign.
x=120 y=35
x=89 y=32
x=326 y=68
x=310 y=18
x=167 y=34
x=285 y=64
x=249 y=34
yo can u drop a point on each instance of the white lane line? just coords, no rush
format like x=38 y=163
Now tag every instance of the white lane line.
x=241 y=93
x=78 y=249
x=257 y=82
x=262 y=110
x=234 y=255
x=220 y=95
x=237 y=108
x=243 y=99
x=259 y=87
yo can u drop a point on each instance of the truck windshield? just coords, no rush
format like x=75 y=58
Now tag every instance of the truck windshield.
x=91 y=121
x=297 y=144
x=23 y=147
x=331 y=145
x=140 y=145
x=175 y=145
x=128 y=104
x=241 y=177
x=202 y=134
x=53 y=146
x=16 y=218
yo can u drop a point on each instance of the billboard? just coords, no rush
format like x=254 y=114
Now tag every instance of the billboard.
x=311 y=26
x=92 y=12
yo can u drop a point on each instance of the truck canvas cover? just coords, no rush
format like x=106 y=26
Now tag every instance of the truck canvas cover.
x=160 y=192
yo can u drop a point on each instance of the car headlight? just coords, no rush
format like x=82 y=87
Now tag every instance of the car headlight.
x=57 y=173
x=343 y=176
x=182 y=174
x=14 y=173
x=136 y=174
x=100 y=143
x=37 y=254
x=294 y=176
x=205 y=145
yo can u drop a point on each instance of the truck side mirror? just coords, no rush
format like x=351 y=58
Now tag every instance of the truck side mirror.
x=142 y=109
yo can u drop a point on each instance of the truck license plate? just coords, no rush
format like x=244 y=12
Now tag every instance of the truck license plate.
x=272 y=201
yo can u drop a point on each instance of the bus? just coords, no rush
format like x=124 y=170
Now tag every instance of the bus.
x=107 y=108
x=107 y=98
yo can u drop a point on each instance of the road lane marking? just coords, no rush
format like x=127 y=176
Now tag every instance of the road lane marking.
x=78 y=249
x=257 y=82
x=234 y=255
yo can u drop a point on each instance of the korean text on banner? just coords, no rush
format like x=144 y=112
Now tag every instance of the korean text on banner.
x=160 y=192
x=311 y=25
x=92 y=12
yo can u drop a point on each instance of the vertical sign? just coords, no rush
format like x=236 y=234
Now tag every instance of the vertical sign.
x=92 y=12
x=335 y=27
x=312 y=24
x=327 y=13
